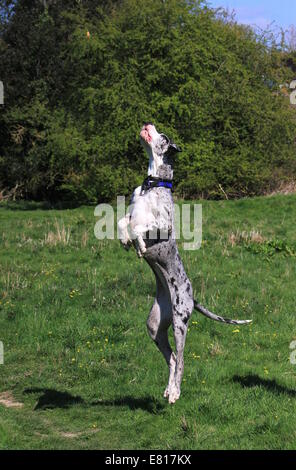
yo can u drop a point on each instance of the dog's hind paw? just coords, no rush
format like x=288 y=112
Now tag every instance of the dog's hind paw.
x=174 y=395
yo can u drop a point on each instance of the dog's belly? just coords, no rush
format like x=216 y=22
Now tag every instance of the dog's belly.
x=165 y=254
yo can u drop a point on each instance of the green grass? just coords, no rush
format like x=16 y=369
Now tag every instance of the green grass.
x=77 y=354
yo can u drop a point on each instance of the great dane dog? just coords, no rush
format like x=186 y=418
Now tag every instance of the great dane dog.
x=149 y=226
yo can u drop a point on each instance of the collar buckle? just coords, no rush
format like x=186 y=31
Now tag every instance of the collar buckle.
x=155 y=182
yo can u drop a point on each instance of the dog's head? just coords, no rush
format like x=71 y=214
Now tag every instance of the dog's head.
x=157 y=144
x=160 y=149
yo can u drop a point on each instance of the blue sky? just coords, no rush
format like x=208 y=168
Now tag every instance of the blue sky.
x=261 y=12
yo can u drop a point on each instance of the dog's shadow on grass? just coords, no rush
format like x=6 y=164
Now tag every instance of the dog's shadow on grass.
x=250 y=381
x=50 y=399
x=146 y=403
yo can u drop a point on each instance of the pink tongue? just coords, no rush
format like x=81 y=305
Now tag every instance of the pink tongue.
x=145 y=135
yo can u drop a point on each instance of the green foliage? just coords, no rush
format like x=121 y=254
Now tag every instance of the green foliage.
x=270 y=247
x=75 y=104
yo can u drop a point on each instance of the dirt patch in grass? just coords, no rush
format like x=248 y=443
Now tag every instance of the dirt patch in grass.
x=7 y=399
x=71 y=435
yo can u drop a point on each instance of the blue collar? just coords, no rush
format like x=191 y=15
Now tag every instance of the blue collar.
x=155 y=182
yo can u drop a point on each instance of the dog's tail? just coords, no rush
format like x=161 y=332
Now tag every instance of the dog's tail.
x=212 y=316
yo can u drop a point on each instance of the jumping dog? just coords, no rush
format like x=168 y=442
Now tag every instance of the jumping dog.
x=149 y=226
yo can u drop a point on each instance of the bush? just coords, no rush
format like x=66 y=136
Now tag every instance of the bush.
x=73 y=114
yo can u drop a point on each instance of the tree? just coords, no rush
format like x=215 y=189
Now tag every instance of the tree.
x=82 y=77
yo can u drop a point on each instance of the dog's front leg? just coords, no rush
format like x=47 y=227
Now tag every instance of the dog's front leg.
x=140 y=245
x=123 y=233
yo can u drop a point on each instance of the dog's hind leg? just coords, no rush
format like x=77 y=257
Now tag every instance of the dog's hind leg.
x=180 y=326
x=158 y=323
x=159 y=320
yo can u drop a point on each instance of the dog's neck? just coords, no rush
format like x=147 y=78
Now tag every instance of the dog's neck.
x=160 y=167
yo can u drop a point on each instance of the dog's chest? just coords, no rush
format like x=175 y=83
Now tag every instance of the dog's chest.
x=156 y=203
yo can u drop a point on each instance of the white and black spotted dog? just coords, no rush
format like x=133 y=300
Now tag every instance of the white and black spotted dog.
x=149 y=226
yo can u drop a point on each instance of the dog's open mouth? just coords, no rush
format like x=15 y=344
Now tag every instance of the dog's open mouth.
x=144 y=134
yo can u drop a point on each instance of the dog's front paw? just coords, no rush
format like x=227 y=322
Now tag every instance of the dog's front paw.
x=143 y=250
x=126 y=244
x=140 y=247
x=140 y=252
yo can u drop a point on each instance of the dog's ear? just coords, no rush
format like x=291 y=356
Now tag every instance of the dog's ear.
x=175 y=147
x=172 y=147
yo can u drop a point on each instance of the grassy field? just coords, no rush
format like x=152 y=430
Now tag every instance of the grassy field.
x=80 y=371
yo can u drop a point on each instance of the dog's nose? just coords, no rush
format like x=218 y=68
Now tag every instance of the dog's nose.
x=147 y=124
